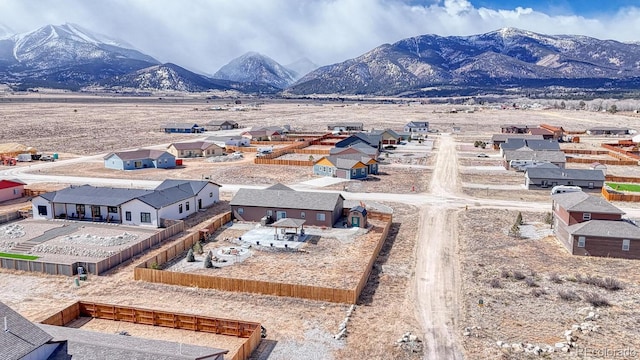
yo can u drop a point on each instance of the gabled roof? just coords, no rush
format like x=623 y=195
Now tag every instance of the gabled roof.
x=225 y=138
x=550 y=156
x=279 y=186
x=193 y=145
x=289 y=223
x=191 y=186
x=619 y=229
x=540 y=131
x=345 y=162
x=533 y=144
x=359 y=146
x=417 y=124
x=22 y=337
x=221 y=122
x=565 y=174
x=581 y=202
x=161 y=198
x=10 y=183
x=285 y=199
x=139 y=154
x=91 y=195
x=504 y=137
x=392 y=133
x=359 y=209
x=180 y=126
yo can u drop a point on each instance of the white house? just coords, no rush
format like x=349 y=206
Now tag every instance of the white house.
x=224 y=141
x=417 y=128
x=171 y=200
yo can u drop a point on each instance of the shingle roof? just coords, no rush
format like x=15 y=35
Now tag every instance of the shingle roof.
x=180 y=126
x=139 y=154
x=606 y=228
x=221 y=122
x=533 y=144
x=22 y=336
x=289 y=223
x=225 y=138
x=192 y=186
x=389 y=131
x=551 y=156
x=89 y=345
x=565 y=174
x=345 y=161
x=286 y=199
x=504 y=137
x=92 y=195
x=360 y=146
x=417 y=124
x=194 y=145
x=359 y=209
x=161 y=198
x=279 y=186
x=581 y=202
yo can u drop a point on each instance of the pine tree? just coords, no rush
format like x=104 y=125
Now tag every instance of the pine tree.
x=190 y=256
x=207 y=261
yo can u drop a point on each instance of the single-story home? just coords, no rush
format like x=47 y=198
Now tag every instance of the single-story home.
x=224 y=141
x=515 y=129
x=529 y=144
x=195 y=149
x=389 y=137
x=591 y=226
x=544 y=177
x=215 y=125
x=357 y=148
x=345 y=166
x=279 y=202
x=171 y=200
x=187 y=128
x=139 y=159
x=373 y=140
x=417 y=128
x=346 y=126
x=546 y=134
x=523 y=157
x=267 y=133
x=606 y=130
x=498 y=139
x=11 y=189
x=558 y=131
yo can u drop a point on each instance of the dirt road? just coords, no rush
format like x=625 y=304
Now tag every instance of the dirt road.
x=437 y=276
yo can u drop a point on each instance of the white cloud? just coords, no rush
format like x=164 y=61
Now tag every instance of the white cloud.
x=204 y=35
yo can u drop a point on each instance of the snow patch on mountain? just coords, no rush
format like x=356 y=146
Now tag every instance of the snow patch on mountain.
x=253 y=67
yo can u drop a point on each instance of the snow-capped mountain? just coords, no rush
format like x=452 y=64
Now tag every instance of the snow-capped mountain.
x=301 y=67
x=5 y=32
x=256 y=68
x=506 y=57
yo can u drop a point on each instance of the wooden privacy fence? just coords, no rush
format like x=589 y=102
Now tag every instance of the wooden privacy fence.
x=242 y=329
x=622 y=179
x=146 y=271
x=617 y=149
x=602 y=161
x=615 y=196
x=264 y=161
x=9 y=216
x=586 y=152
x=312 y=151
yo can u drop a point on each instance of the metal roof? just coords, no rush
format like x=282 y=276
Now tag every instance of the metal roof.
x=565 y=174
x=289 y=223
x=618 y=229
x=22 y=336
x=285 y=199
x=582 y=202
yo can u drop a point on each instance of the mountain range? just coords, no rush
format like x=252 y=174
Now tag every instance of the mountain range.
x=70 y=57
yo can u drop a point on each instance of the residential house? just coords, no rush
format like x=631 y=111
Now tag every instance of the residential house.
x=590 y=226
x=606 y=130
x=267 y=133
x=346 y=126
x=389 y=137
x=22 y=339
x=195 y=149
x=545 y=133
x=171 y=200
x=357 y=148
x=373 y=140
x=529 y=144
x=417 y=128
x=498 y=139
x=346 y=166
x=187 y=128
x=522 y=157
x=558 y=132
x=514 y=129
x=224 y=141
x=215 y=125
x=279 y=202
x=541 y=177
x=11 y=189
x=139 y=159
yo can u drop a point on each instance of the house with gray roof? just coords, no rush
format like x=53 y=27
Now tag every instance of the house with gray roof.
x=171 y=200
x=279 y=202
x=195 y=149
x=591 y=226
x=498 y=139
x=183 y=128
x=215 y=125
x=608 y=130
x=22 y=339
x=224 y=141
x=373 y=140
x=357 y=148
x=512 y=159
x=529 y=145
x=346 y=166
x=346 y=126
x=388 y=136
x=139 y=159
x=417 y=128
x=545 y=177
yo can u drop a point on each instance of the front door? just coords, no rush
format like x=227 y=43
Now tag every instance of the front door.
x=199 y=204
x=355 y=221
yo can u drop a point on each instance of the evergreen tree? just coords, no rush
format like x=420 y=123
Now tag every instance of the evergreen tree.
x=190 y=256
x=207 y=261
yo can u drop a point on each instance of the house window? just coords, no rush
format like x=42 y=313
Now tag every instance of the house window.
x=211 y=194
x=127 y=215
x=112 y=209
x=240 y=211
x=626 y=244
x=145 y=217
x=320 y=217
x=581 y=241
x=15 y=191
x=281 y=215
x=42 y=210
x=80 y=209
x=302 y=215
x=586 y=216
x=269 y=212
x=186 y=206
x=180 y=208
x=354 y=172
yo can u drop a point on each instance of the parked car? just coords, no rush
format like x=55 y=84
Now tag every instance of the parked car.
x=482 y=155
x=46 y=158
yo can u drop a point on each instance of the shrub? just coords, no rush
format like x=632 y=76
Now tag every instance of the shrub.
x=518 y=275
x=515 y=231
x=505 y=274
x=190 y=256
x=207 y=261
x=495 y=283
x=568 y=295
x=531 y=282
x=548 y=218
x=155 y=266
x=612 y=284
x=596 y=300
x=538 y=292
x=197 y=248
x=608 y=283
x=555 y=278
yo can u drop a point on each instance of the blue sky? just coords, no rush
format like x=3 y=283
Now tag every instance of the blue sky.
x=203 y=35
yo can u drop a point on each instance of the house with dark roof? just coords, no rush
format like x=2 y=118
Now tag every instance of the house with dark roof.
x=529 y=144
x=279 y=202
x=183 y=128
x=544 y=177
x=388 y=136
x=608 y=130
x=357 y=217
x=215 y=125
x=357 y=148
x=171 y=200
x=515 y=129
x=267 y=133
x=591 y=226
x=346 y=126
x=195 y=149
x=22 y=339
x=373 y=140
x=11 y=189
x=514 y=159
x=497 y=139
x=139 y=159
x=346 y=166
x=417 y=128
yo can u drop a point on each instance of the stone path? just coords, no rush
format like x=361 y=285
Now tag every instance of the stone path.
x=25 y=247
